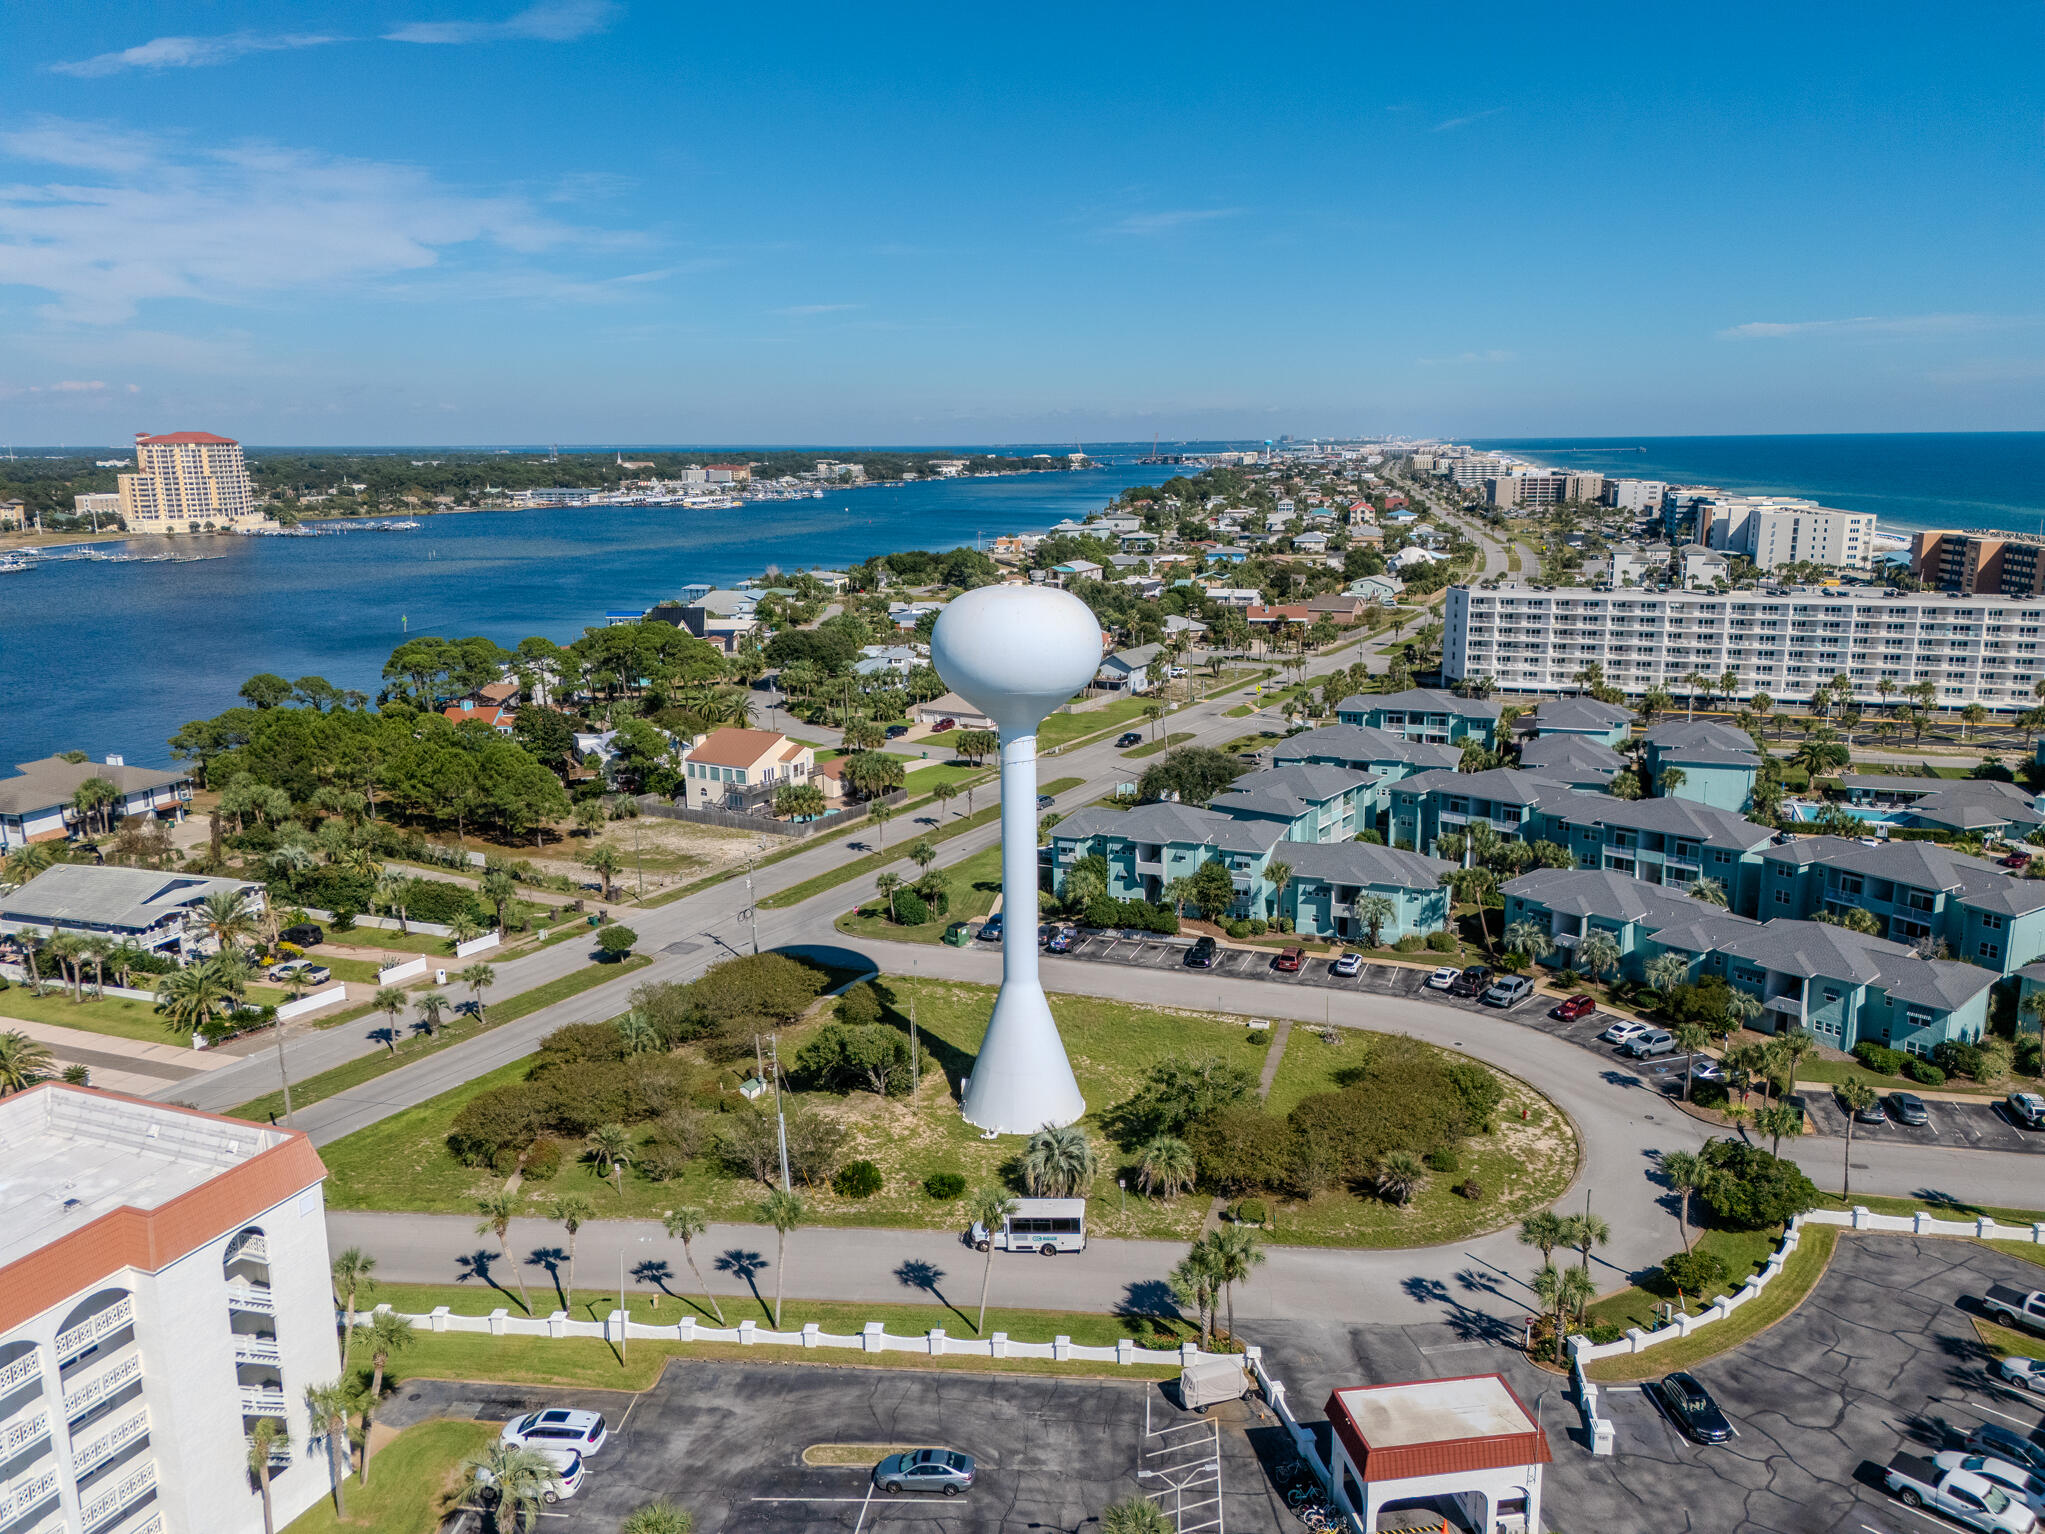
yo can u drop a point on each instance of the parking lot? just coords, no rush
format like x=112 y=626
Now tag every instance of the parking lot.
x=1883 y=1357
x=727 y=1441
x=1974 y=1126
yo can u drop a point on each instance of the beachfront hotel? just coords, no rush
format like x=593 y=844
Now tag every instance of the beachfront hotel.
x=163 y=1286
x=1785 y=642
x=188 y=482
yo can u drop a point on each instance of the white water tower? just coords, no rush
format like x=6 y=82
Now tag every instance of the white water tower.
x=1016 y=653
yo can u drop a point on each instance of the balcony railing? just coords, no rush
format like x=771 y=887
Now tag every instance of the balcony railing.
x=259 y=1402
x=25 y=1492
x=89 y=1392
x=251 y=1297
x=95 y=1327
x=256 y=1350
x=253 y=1245
x=24 y=1370
x=117 y=1498
x=21 y=1433
x=95 y=1451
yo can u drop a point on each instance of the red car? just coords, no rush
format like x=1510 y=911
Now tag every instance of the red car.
x=1574 y=1008
x=2017 y=860
x=1289 y=959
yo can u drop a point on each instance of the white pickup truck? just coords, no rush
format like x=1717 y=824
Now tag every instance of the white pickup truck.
x=2015 y=1307
x=1961 y=1495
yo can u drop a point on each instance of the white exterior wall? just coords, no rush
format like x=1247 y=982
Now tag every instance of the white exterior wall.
x=1975 y=650
x=1636 y=494
x=1479 y=1491
x=182 y=1331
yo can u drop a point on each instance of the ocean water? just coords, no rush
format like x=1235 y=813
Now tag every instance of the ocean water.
x=101 y=657
x=1909 y=480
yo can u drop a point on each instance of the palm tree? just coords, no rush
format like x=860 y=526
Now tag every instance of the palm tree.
x=1743 y=1007
x=1667 y=972
x=463 y=928
x=1684 y=1173
x=657 y=1518
x=1137 y=1515
x=885 y=886
x=23 y=1062
x=1399 y=1176
x=388 y=1333
x=515 y=1480
x=328 y=1408
x=1544 y=1232
x=500 y=889
x=988 y=1207
x=499 y=1210
x=1194 y=1282
x=431 y=1004
x=1374 y=911
x=923 y=854
x=228 y=918
x=1058 y=1162
x=66 y=950
x=1547 y=1287
x=1690 y=1038
x=1153 y=712
x=388 y=893
x=685 y=1225
x=1278 y=875
x=944 y=793
x=351 y=1270
x=1530 y=938
x=189 y=998
x=880 y=812
x=1789 y=1050
x=1856 y=1097
x=1597 y=955
x=1780 y=1120
x=610 y=1147
x=478 y=978
x=390 y=1000
x=1668 y=780
x=268 y=1439
x=1585 y=1231
x=785 y=1211
x=605 y=861
x=1578 y=1290
x=1165 y=1166
x=1710 y=891
x=570 y=1211
x=1236 y=1255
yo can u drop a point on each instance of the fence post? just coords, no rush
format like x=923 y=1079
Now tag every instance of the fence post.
x=497 y=1321
x=1125 y=1351
x=870 y=1337
x=999 y=1342
x=1984 y=1227
x=685 y=1329
x=936 y=1341
x=745 y=1332
x=557 y=1324
x=1189 y=1353
x=1061 y=1347
x=1918 y=1221
x=812 y=1334
x=438 y=1320
x=2038 y=1233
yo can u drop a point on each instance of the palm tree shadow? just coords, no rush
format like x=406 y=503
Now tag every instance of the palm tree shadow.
x=747 y=1266
x=918 y=1274
x=551 y=1258
x=655 y=1272
x=478 y=1265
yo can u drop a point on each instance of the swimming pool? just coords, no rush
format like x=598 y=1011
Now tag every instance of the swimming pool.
x=1805 y=810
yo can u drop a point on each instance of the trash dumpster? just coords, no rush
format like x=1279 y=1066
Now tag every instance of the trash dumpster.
x=958 y=934
x=1208 y=1380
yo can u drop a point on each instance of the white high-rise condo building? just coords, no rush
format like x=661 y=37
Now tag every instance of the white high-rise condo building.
x=1785 y=642
x=1772 y=531
x=163 y=1286
x=188 y=482
x=1635 y=494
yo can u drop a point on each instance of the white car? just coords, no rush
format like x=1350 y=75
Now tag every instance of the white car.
x=2021 y=1485
x=1443 y=978
x=577 y=1432
x=1623 y=1030
x=1704 y=1068
x=2025 y=1373
x=568 y=1474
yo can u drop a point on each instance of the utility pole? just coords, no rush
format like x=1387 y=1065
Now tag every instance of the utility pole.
x=780 y=1118
x=283 y=1075
x=638 y=859
x=752 y=906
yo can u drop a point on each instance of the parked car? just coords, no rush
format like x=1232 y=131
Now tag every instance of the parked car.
x=1704 y=1068
x=1655 y=1041
x=567 y=1481
x=1201 y=954
x=1128 y=738
x=1442 y=978
x=1908 y=1108
x=1622 y=1031
x=2024 y=1373
x=942 y=725
x=1690 y=1404
x=1044 y=802
x=897 y=731
x=2021 y=1485
x=303 y=935
x=1572 y=1009
x=1064 y=940
x=1508 y=990
x=1288 y=960
x=2016 y=860
x=1348 y=964
x=583 y=1432
x=2000 y=1443
x=1961 y=1495
x=1474 y=981
x=314 y=974
x=990 y=929
x=2026 y=1109
x=289 y=970
x=939 y=1470
x=1870 y=1112
x=2016 y=1307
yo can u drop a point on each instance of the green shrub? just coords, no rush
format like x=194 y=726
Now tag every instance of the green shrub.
x=543 y=1160
x=436 y=900
x=1251 y=1211
x=1441 y=942
x=1259 y=926
x=857 y=1179
x=1879 y=1058
x=1412 y=942
x=1958 y=1060
x=1695 y=1272
x=945 y=1186
x=1748 y=1189
x=911 y=910
x=1237 y=929
x=1443 y=1158
x=344 y=918
x=1285 y=924
x=1602 y=1332
x=1924 y=1073
x=1373 y=838
x=1470 y=1189
x=856 y=1057
x=2030 y=1055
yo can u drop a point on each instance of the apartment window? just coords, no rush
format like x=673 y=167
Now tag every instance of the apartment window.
x=1782 y=897
x=1917 y=1017
x=1991 y=921
x=1990 y=951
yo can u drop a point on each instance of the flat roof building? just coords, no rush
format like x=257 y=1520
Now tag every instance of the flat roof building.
x=163 y=1286
x=1469 y=1441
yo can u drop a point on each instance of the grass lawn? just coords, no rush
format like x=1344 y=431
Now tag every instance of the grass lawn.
x=362 y=971
x=1256 y=740
x=1744 y=1253
x=2007 y=1342
x=403 y=1163
x=1152 y=748
x=664 y=1290
x=1947 y=1209
x=1798 y=1277
x=1834 y=1073
x=906 y=836
x=1064 y=729
x=120 y=1016
x=1240 y=711
x=414 y=1480
x=368 y=942
x=975 y=881
x=462 y=1025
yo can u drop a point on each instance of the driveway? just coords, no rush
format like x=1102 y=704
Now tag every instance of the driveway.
x=727 y=1440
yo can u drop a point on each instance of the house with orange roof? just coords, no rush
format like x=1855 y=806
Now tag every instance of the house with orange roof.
x=740 y=770
x=496 y=716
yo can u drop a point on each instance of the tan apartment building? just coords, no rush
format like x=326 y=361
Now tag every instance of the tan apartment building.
x=1989 y=564
x=738 y=769
x=188 y=482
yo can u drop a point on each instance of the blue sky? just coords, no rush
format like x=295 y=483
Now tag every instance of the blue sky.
x=584 y=221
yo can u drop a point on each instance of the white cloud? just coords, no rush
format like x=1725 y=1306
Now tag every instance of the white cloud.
x=1450 y=124
x=550 y=21
x=1864 y=324
x=1167 y=220
x=191 y=52
x=151 y=219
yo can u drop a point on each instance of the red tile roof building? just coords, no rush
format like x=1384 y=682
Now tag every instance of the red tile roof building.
x=1470 y=1439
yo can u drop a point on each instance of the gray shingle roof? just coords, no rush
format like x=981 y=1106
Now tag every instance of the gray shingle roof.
x=1424 y=700
x=1507 y=784
x=1613 y=896
x=1818 y=950
x=1362 y=863
x=1699 y=734
x=1976 y=881
x=116 y=899
x=52 y=781
x=1569 y=756
x=1972 y=805
x=1580 y=714
x=1359 y=743
x=1671 y=817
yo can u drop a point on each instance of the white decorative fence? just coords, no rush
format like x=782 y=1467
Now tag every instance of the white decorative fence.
x=478 y=944
x=401 y=971
x=873 y=1338
x=1583 y=1351
x=313 y=1001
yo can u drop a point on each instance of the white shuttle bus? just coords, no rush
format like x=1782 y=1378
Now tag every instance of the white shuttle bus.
x=1046 y=1225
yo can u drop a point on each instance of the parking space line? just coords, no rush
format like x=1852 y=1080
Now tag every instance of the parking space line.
x=2019 y=1421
